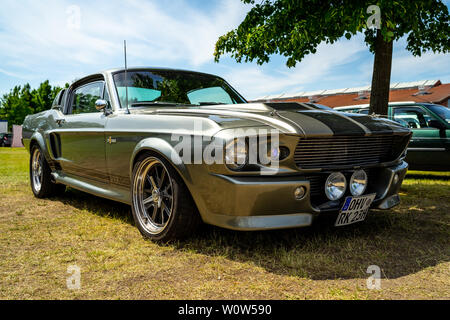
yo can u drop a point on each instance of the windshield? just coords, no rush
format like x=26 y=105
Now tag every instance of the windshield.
x=441 y=111
x=157 y=87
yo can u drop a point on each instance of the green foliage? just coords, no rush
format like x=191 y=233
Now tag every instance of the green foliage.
x=294 y=28
x=22 y=101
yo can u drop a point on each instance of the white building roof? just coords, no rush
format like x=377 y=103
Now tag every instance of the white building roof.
x=394 y=85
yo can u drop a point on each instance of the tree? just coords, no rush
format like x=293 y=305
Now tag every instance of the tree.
x=294 y=29
x=13 y=107
x=43 y=97
x=22 y=101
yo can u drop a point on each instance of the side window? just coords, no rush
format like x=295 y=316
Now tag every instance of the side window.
x=414 y=117
x=85 y=96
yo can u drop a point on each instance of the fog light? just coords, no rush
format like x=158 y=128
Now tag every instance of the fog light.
x=335 y=186
x=396 y=178
x=299 y=193
x=358 y=183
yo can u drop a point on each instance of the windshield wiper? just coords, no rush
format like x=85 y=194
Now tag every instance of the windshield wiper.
x=166 y=103
x=154 y=103
x=207 y=103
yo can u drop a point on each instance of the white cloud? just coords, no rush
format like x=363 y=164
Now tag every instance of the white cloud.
x=257 y=81
x=33 y=31
x=432 y=65
x=347 y=63
x=13 y=74
x=37 y=43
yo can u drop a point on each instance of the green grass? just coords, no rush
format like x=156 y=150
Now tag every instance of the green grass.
x=40 y=238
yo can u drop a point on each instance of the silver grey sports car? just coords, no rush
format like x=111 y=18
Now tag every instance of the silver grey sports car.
x=183 y=147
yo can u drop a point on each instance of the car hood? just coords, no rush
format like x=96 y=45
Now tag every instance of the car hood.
x=290 y=118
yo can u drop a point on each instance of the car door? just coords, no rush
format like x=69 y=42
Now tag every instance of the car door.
x=80 y=134
x=427 y=144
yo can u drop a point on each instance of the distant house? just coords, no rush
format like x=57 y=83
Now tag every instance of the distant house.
x=432 y=91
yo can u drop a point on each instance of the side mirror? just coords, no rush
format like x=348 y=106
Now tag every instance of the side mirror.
x=101 y=104
x=433 y=123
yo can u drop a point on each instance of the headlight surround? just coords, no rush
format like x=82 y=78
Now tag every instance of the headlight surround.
x=236 y=154
x=358 y=183
x=335 y=186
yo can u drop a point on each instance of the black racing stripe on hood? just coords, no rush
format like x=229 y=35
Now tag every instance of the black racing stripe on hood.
x=339 y=125
x=287 y=106
x=374 y=125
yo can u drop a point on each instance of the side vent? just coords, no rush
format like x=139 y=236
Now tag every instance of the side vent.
x=55 y=145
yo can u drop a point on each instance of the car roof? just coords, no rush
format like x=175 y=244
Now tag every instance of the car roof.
x=115 y=70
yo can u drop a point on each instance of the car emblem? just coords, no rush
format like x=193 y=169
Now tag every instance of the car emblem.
x=110 y=140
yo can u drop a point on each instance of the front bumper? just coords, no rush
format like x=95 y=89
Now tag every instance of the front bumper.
x=267 y=202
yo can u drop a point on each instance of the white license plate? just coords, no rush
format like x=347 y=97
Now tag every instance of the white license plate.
x=355 y=209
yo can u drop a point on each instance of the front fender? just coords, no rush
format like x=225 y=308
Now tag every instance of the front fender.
x=165 y=149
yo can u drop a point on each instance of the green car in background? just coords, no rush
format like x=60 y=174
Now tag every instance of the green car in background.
x=429 y=148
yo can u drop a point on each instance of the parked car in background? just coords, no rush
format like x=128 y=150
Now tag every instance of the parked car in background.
x=6 y=139
x=429 y=148
x=116 y=134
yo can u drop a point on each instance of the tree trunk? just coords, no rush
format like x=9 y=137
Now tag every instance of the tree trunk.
x=381 y=78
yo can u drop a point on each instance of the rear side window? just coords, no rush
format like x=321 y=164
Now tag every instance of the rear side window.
x=58 y=99
x=85 y=96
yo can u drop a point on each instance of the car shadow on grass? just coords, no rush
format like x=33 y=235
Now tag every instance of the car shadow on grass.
x=401 y=242
x=99 y=206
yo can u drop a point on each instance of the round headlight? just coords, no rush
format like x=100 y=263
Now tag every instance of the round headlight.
x=335 y=186
x=236 y=154
x=358 y=183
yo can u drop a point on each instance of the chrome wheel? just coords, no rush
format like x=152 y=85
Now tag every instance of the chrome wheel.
x=36 y=170
x=153 y=195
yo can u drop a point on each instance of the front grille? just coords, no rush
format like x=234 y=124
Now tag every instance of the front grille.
x=347 y=151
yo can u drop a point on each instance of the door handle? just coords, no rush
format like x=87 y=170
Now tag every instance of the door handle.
x=60 y=121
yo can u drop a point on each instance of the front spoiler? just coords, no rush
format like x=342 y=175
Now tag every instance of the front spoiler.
x=253 y=223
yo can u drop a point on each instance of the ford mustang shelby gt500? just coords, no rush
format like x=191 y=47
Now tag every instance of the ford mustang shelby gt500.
x=143 y=136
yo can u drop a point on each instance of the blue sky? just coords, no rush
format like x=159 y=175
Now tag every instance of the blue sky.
x=64 y=40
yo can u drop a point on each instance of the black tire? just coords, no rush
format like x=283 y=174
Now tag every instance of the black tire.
x=46 y=188
x=184 y=218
